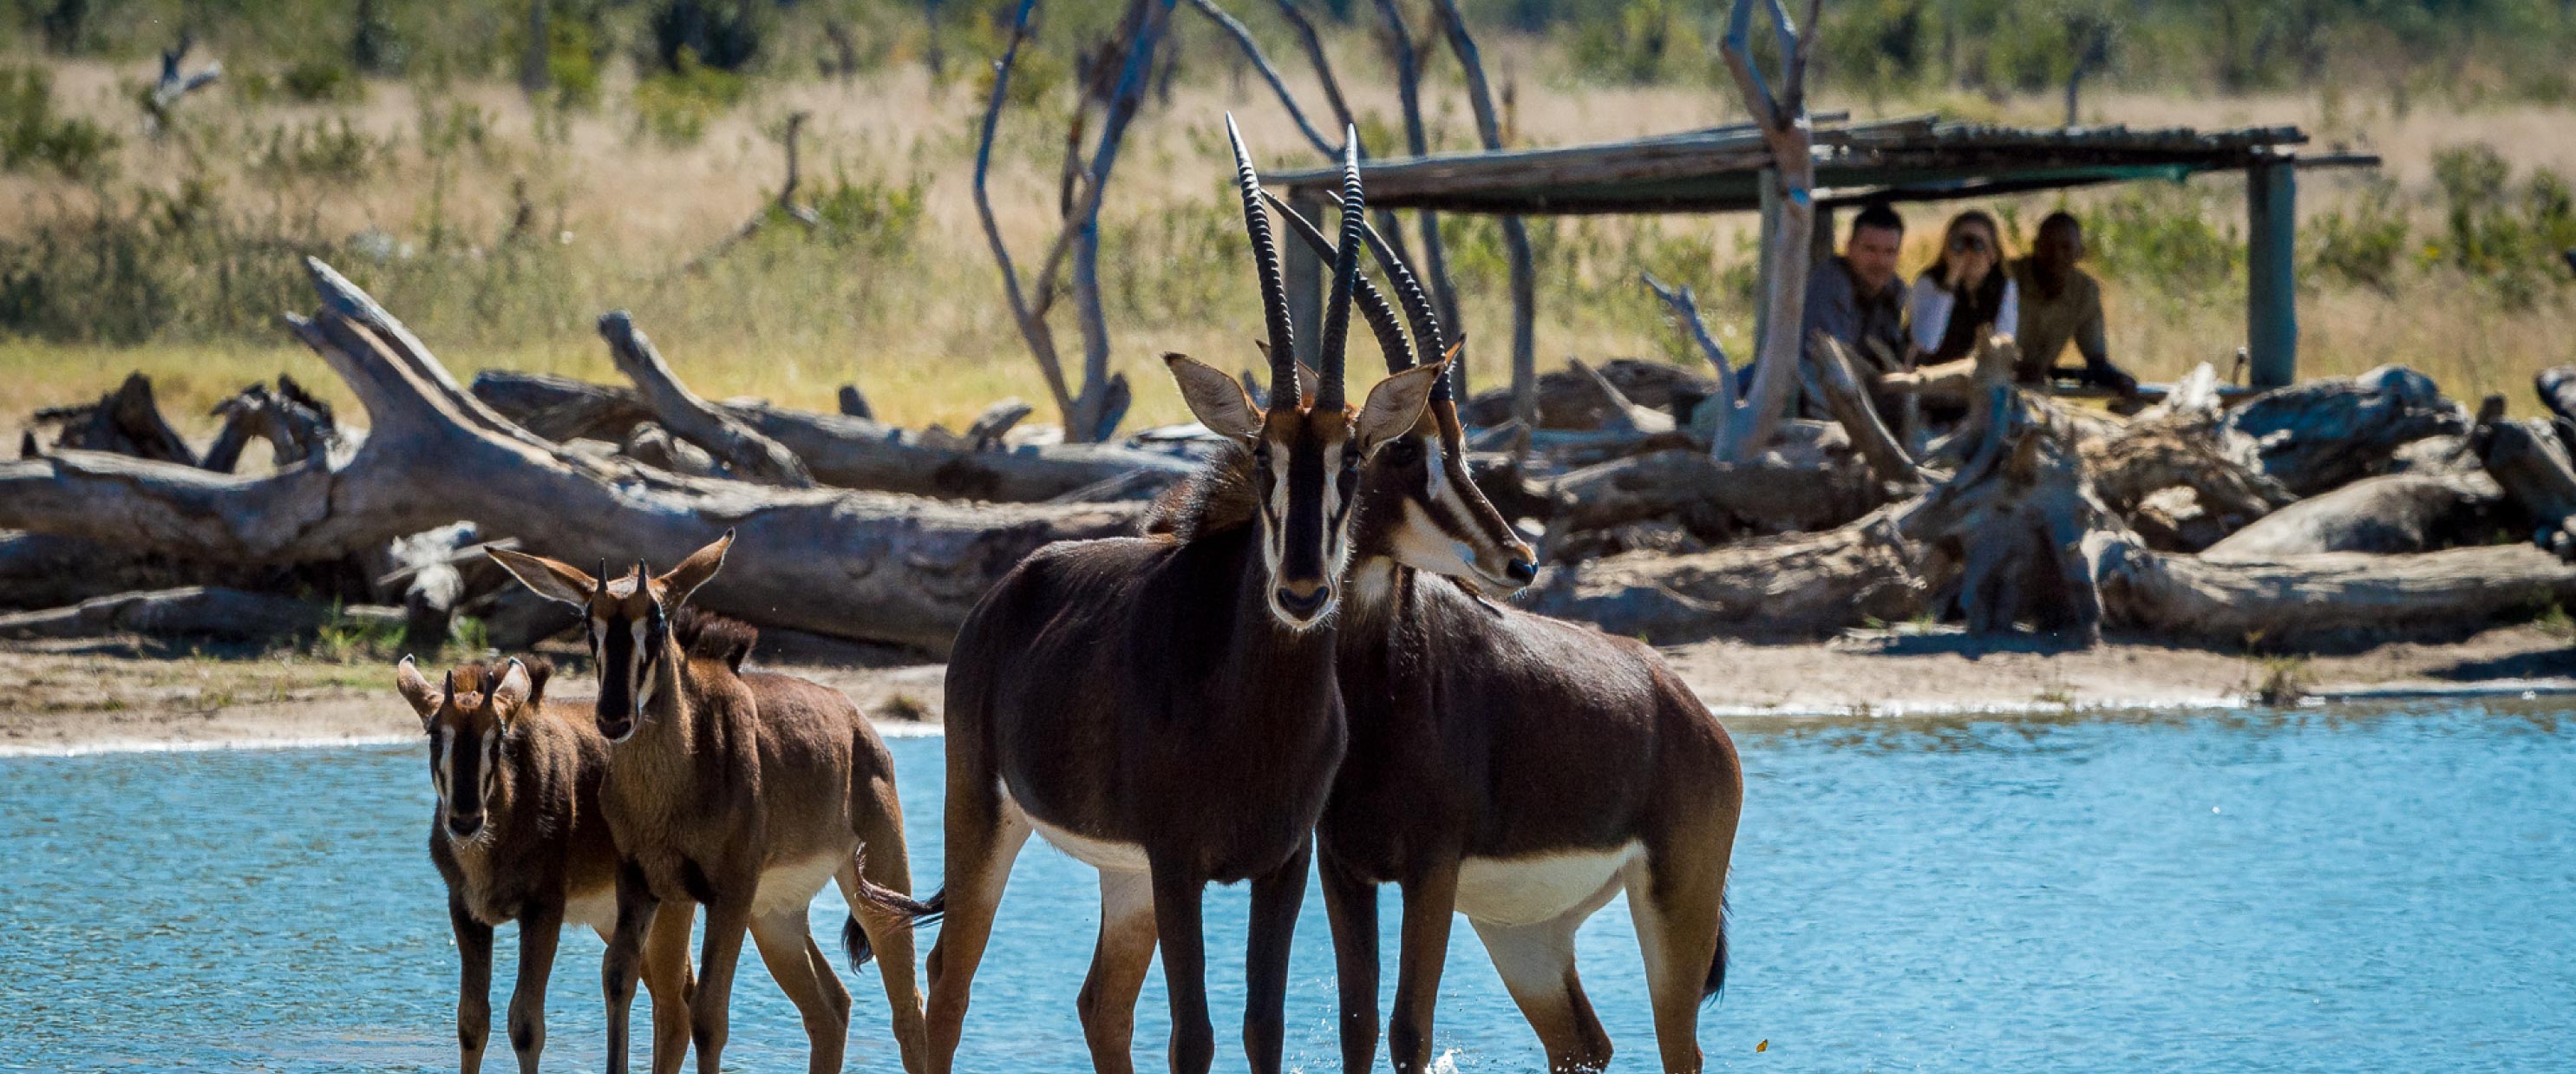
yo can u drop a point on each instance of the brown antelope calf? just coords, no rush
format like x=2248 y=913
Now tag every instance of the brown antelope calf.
x=1515 y=768
x=518 y=835
x=1163 y=707
x=742 y=792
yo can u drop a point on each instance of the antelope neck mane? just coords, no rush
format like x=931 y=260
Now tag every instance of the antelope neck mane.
x=703 y=635
x=482 y=678
x=1219 y=498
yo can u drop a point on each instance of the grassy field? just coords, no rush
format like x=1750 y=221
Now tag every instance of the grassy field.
x=173 y=255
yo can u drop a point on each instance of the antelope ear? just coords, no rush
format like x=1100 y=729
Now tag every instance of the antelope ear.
x=1308 y=383
x=1215 y=399
x=694 y=571
x=512 y=692
x=551 y=579
x=416 y=689
x=1396 y=404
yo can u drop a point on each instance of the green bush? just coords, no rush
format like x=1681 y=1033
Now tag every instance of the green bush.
x=676 y=106
x=2165 y=232
x=2509 y=238
x=328 y=150
x=32 y=136
x=877 y=217
x=2364 y=243
x=1642 y=41
x=321 y=81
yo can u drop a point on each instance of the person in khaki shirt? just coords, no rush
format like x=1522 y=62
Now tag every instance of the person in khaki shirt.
x=2062 y=304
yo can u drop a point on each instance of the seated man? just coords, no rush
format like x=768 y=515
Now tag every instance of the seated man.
x=1856 y=298
x=2061 y=304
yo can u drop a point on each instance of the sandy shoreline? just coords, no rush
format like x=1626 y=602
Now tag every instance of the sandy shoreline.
x=90 y=698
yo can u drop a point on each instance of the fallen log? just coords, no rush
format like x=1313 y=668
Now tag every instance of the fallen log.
x=2329 y=598
x=296 y=425
x=743 y=453
x=2532 y=466
x=1715 y=500
x=1802 y=585
x=2320 y=434
x=126 y=421
x=2169 y=477
x=211 y=613
x=2388 y=515
x=1570 y=399
x=851 y=564
x=844 y=451
x=1858 y=414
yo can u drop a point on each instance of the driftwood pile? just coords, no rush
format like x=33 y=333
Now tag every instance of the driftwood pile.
x=2343 y=508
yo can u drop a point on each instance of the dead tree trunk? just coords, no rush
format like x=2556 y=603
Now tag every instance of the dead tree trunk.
x=843 y=451
x=745 y=453
x=1786 y=130
x=861 y=565
x=1516 y=244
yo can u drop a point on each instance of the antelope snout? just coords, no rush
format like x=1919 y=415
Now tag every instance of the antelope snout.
x=1521 y=572
x=1303 y=599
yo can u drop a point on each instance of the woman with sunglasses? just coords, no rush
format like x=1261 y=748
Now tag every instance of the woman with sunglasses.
x=1965 y=294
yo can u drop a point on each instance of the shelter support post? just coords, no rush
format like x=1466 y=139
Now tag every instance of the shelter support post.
x=1820 y=243
x=2271 y=292
x=1305 y=276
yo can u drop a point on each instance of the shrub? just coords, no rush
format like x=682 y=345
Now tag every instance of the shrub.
x=870 y=215
x=320 y=81
x=2364 y=243
x=676 y=107
x=329 y=150
x=31 y=135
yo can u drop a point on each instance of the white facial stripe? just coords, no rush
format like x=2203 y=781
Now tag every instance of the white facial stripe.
x=442 y=768
x=1421 y=545
x=637 y=686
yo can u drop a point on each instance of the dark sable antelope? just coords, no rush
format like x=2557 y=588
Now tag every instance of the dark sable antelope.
x=518 y=835
x=1163 y=707
x=1514 y=768
x=739 y=791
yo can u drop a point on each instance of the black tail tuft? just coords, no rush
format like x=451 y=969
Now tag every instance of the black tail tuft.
x=855 y=941
x=1717 y=966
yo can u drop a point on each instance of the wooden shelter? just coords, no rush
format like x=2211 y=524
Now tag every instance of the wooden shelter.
x=1919 y=159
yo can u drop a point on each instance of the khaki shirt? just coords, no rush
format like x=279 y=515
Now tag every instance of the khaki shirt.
x=2049 y=324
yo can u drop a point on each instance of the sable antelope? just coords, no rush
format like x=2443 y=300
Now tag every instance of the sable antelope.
x=1508 y=766
x=518 y=835
x=1163 y=707
x=739 y=791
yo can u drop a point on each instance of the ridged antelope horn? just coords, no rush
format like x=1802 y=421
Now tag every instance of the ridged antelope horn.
x=1427 y=330
x=1346 y=266
x=1265 y=261
x=603 y=576
x=1371 y=301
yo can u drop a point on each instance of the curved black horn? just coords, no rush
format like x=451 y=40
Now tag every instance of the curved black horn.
x=448 y=687
x=1265 y=261
x=1346 y=266
x=1428 y=333
x=603 y=576
x=1371 y=301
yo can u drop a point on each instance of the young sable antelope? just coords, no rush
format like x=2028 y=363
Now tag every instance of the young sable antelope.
x=1511 y=767
x=1163 y=707
x=518 y=835
x=739 y=791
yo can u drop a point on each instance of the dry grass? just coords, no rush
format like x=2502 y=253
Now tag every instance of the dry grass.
x=925 y=333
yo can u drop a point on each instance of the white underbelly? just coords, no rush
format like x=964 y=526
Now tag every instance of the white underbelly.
x=792 y=886
x=1526 y=891
x=597 y=909
x=1106 y=855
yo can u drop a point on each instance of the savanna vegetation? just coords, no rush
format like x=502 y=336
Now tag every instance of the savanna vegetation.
x=502 y=174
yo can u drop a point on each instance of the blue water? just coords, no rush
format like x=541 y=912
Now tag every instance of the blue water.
x=2315 y=891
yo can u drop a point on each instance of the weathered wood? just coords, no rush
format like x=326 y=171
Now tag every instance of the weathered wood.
x=852 y=452
x=296 y=424
x=1790 y=181
x=126 y=421
x=2168 y=476
x=850 y=564
x=2318 y=599
x=651 y=444
x=853 y=404
x=188 y=612
x=744 y=453
x=1803 y=585
x=2533 y=467
x=1715 y=500
x=2397 y=513
x=1858 y=415
x=1569 y=399
x=2323 y=433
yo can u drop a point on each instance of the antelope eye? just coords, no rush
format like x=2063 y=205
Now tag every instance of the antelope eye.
x=1404 y=450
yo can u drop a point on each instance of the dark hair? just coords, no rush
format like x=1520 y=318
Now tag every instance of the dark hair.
x=1941 y=264
x=1878 y=214
x=2058 y=219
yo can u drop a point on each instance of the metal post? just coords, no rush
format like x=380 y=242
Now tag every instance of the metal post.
x=1305 y=274
x=1820 y=241
x=2272 y=286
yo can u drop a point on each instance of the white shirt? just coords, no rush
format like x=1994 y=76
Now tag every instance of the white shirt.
x=1928 y=305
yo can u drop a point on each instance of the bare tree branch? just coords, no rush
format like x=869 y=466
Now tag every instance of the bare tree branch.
x=1252 y=51
x=1516 y=244
x=1031 y=320
x=1787 y=131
